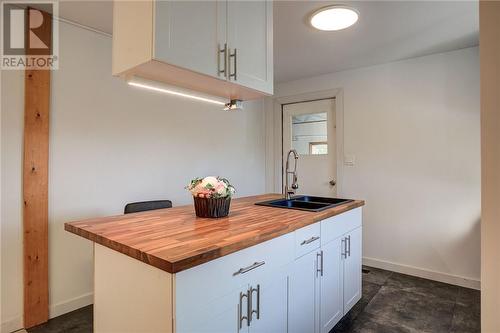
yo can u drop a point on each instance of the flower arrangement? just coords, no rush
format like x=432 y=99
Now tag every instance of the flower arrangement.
x=210 y=187
x=211 y=195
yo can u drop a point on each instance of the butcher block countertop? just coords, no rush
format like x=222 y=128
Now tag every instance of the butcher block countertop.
x=174 y=239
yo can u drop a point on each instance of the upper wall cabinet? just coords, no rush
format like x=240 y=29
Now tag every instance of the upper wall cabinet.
x=189 y=34
x=223 y=48
x=250 y=43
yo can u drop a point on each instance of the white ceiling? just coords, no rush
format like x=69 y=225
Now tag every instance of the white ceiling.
x=95 y=14
x=386 y=31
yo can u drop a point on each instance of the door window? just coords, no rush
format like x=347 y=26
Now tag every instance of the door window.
x=310 y=133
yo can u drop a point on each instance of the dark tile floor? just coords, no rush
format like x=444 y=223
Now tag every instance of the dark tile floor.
x=394 y=302
x=78 y=321
x=391 y=303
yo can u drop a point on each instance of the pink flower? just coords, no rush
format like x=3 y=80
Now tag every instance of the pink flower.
x=221 y=188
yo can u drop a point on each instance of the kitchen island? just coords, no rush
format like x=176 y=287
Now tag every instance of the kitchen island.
x=259 y=269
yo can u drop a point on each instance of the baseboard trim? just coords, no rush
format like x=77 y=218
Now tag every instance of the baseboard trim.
x=11 y=325
x=423 y=273
x=72 y=304
x=55 y=310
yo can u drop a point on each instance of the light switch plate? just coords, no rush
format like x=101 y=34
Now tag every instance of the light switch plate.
x=349 y=160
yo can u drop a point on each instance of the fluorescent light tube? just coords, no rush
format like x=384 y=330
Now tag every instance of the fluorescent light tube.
x=176 y=91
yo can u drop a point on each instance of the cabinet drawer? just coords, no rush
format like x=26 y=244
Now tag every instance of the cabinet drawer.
x=218 y=277
x=307 y=239
x=336 y=226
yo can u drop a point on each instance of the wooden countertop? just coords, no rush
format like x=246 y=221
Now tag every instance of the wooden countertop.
x=174 y=239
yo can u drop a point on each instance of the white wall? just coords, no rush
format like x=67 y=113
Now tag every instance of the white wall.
x=111 y=144
x=413 y=127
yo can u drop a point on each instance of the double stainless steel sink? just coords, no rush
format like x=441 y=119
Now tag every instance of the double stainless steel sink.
x=305 y=202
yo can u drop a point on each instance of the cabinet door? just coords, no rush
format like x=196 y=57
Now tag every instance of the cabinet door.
x=352 y=269
x=250 y=33
x=188 y=34
x=331 y=285
x=218 y=316
x=269 y=305
x=303 y=295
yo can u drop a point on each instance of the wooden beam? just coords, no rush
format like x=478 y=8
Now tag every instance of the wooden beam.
x=35 y=192
x=489 y=57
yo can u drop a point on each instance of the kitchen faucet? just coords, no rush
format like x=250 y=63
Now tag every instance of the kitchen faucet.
x=289 y=191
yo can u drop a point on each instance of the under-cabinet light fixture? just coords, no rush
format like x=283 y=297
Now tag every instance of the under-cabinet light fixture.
x=176 y=91
x=234 y=105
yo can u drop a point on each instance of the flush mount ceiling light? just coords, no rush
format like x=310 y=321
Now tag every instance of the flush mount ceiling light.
x=334 y=18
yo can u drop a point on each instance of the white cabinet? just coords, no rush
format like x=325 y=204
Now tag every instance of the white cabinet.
x=331 y=285
x=251 y=283
x=326 y=283
x=341 y=280
x=303 y=286
x=219 y=47
x=258 y=307
x=188 y=33
x=352 y=269
x=250 y=42
x=217 y=316
x=268 y=304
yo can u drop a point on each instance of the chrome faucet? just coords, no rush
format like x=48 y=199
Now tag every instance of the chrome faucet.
x=289 y=191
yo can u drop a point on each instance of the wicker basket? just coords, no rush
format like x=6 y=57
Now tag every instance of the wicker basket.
x=209 y=207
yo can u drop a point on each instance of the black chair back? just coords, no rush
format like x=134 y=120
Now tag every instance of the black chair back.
x=135 y=207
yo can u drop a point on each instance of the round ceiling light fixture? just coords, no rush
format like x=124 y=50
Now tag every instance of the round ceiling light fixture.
x=334 y=18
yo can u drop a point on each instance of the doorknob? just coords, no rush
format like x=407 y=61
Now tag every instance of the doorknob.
x=333 y=182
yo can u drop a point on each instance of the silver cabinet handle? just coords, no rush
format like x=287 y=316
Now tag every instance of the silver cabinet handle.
x=240 y=309
x=249 y=268
x=233 y=55
x=348 y=250
x=343 y=252
x=319 y=268
x=310 y=240
x=222 y=51
x=257 y=311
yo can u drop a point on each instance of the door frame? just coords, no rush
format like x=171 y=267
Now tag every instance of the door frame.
x=338 y=98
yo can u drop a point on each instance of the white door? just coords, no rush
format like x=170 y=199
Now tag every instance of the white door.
x=303 y=295
x=269 y=305
x=221 y=315
x=309 y=128
x=189 y=34
x=250 y=42
x=352 y=269
x=331 y=286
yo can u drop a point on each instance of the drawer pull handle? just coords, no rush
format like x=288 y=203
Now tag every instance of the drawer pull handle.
x=257 y=312
x=249 y=268
x=348 y=250
x=310 y=240
x=233 y=55
x=240 y=309
x=319 y=263
x=344 y=248
x=224 y=52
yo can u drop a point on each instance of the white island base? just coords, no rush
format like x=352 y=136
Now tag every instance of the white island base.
x=302 y=282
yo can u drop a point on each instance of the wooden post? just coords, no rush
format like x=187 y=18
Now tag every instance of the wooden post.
x=35 y=192
x=489 y=32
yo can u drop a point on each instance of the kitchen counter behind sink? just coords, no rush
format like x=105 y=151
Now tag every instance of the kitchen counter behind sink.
x=174 y=239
